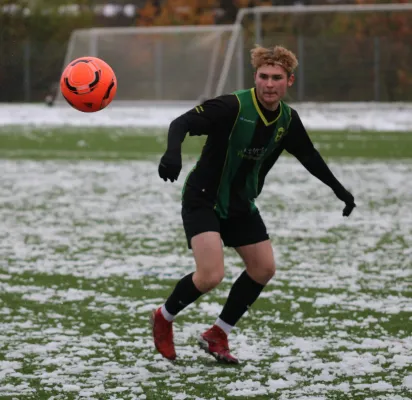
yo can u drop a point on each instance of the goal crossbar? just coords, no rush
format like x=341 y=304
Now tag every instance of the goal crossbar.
x=157 y=29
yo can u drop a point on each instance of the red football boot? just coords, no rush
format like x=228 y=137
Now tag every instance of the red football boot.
x=214 y=341
x=163 y=335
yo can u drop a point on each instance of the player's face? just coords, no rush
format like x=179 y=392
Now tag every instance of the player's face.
x=272 y=83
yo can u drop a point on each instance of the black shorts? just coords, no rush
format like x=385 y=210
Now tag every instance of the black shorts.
x=235 y=232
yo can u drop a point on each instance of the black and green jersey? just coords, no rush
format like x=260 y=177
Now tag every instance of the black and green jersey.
x=251 y=141
x=244 y=140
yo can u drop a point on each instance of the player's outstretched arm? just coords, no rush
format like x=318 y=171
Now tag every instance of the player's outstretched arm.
x=299 y=144
x=315 y=164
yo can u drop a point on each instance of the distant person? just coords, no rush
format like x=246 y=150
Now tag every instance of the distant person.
x=51 y=95
x=246 y=133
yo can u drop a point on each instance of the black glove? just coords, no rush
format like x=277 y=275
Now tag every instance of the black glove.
x=348 y=199
x=170 y=166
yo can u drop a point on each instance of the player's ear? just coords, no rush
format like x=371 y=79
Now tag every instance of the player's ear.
x=291 y=79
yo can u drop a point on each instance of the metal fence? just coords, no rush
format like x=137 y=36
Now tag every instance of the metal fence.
x=345 y=68
x=330 y=69
x=29 y=69
x=345 y=52
x=342 y=57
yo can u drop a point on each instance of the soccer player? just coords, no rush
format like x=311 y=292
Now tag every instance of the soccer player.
x=246 y=133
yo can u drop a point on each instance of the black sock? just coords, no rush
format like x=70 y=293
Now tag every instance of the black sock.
x=243 y=294
x=184 y=293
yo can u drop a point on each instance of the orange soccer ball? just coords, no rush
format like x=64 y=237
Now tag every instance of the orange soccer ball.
x=88 y=84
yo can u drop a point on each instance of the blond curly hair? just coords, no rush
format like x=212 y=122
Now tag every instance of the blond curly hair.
x=276 y=55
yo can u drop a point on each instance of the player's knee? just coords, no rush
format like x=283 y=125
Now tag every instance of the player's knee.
x=268 y=271
x=209 y=280
x=272 y=270
x=263 y=273
x=213 y=279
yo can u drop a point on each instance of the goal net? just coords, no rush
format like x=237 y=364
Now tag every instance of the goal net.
x=162 y=64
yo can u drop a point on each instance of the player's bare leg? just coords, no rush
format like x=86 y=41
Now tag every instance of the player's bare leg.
x=208 y=254
x=260 y=268
x=259 y=260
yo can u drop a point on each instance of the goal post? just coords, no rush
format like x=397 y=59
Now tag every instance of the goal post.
x=162 y=64
x=267 y=25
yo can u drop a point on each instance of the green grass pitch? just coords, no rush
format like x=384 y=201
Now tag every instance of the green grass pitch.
x=91 y=241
